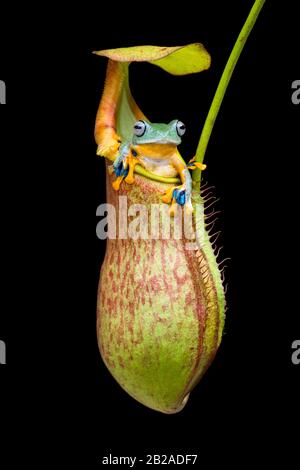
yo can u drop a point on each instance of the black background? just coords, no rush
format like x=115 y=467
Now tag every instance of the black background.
x=57 y=391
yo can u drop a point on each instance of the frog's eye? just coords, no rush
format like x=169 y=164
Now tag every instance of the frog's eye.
x=180 y=128
x=139 y=128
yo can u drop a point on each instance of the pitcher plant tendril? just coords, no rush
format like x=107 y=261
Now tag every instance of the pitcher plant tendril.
x=223 y=84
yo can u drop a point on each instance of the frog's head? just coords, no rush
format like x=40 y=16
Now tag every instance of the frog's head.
x=148 y=133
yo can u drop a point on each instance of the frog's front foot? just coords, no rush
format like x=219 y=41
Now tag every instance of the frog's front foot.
x=192 y=165
x=130 y=164
x=120 y=171
x=168 y=196
x=176 y=192
x=132 y=161
x=179 y=194
x=124 y=166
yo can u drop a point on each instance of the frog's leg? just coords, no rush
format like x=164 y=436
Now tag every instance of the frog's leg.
x=178 y=163
x=188 y=191
x=182 y=193
x=176 y=195
x=168 y=196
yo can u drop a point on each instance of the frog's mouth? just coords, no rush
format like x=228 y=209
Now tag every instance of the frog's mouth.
x=121 y=110
x=161 y=142
x=164 y=149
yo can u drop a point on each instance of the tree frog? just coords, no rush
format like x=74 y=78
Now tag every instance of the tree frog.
x=154 y=146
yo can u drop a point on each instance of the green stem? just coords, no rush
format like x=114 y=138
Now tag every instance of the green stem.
x=223 y=84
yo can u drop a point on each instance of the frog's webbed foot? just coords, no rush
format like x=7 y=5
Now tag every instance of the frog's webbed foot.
x=120 y=173
x=120 y=166
x=177 y=196
x=131 y=162
x=124 y=165
x=175 y=192
x=180 y=197
x=168 y=196
x=192 y=165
